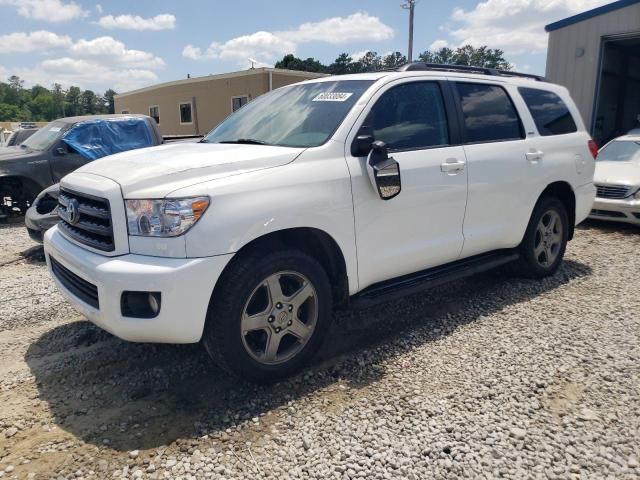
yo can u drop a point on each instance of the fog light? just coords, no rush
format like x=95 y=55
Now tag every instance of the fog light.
x=140 y=304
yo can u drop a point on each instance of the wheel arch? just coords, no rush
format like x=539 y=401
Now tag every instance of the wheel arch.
x=564 y=192
x=19 y=185
x=312 y=241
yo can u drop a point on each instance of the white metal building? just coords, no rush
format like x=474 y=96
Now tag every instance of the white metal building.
x=596 y=55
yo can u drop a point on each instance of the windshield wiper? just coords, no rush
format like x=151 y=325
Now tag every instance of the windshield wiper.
x=247 y=141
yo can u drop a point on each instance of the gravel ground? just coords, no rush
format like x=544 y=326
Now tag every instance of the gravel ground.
x=489 y=377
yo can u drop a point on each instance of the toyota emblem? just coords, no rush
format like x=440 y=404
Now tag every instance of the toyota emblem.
x=73 y=212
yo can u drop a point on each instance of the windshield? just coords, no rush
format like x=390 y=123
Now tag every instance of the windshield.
x=303 y=115
x=44 y=138
x=620 y=151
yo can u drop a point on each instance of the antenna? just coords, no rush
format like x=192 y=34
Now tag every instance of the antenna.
x=253 y=62
x=410 y=5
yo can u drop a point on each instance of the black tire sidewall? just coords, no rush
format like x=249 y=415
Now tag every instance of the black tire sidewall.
x=531 y=265
x=222 y=335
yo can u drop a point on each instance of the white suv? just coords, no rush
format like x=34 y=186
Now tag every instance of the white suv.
x=337 y=191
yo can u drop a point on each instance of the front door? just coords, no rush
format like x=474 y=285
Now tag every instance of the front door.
x=422 y=226
x=64 y=160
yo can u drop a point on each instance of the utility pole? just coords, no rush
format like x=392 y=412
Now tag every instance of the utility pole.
x=410 y=5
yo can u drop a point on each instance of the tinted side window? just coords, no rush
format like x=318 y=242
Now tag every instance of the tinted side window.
x=489 y=114
x=410 y=116
x=549 y=112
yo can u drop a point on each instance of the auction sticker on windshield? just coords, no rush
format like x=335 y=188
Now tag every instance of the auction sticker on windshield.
x=332 y=97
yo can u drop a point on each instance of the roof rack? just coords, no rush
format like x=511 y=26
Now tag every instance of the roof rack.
x=443 y=67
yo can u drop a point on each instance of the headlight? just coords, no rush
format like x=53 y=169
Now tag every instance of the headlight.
x=168 y=217
x=637 y=195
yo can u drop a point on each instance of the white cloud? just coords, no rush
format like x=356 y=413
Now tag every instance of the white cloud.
x=515 y=26
x=99 y=8
x=267 y=46
x=356 y=27
x=96 y=64
x=259 y=44
x=438 y=44
x=112 y=52
x=355 y=56
x=40 y=40
x=47 y=10
x=163 y=21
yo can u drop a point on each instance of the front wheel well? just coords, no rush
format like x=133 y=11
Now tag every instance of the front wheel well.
x=20 y=189
x=563 y=192
x=313 y=242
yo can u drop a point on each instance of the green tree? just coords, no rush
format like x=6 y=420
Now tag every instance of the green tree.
x=341 y=65
x=468 y=55
x=291 y=62
x=109 y=101
x=73 y=100
x=394 y=60
x=89 y=102
x=58 y=96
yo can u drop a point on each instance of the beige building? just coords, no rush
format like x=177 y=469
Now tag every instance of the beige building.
x=194 y=106
x=596 y=55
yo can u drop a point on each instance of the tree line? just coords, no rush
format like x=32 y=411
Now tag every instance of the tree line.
x=372 y=61
x=39 y=104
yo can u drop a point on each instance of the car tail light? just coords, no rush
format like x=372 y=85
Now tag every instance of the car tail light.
x=593 y=148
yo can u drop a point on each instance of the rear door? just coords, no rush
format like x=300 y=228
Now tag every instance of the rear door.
x=501 y=178
x=422 y=226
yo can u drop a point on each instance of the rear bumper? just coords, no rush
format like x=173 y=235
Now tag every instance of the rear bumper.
x=185 y=285
x=625 y=210
x=585 y=196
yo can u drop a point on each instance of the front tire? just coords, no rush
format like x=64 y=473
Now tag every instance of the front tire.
x=268 y=315
x=545 y=241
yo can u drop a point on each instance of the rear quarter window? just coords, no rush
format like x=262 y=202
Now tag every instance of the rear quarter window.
x=549 y=112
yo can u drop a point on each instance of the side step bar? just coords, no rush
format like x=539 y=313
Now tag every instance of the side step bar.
x=432 y=277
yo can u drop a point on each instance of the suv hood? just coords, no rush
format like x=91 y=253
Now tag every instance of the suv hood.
x=617 y=173
x=157 y=171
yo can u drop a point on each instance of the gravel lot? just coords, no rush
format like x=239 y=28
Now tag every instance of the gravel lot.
x=489 y=377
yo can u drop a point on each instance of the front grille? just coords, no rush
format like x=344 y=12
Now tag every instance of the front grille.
x=607 y=213
x=89 y=222
x=613 y=191
x=79 y=287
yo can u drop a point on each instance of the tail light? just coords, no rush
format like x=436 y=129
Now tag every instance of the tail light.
x=593 y=148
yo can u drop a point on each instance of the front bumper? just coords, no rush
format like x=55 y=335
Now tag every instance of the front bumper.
x=625 y=210
x=185 y=285
x=38 y=223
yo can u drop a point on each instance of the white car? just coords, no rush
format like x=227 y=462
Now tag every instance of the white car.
x=335 y=192
x=617 y=179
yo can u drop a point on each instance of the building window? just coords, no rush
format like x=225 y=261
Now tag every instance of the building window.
x=185 y=113
x=154 y=112
x=238 y=102
x=124 y=112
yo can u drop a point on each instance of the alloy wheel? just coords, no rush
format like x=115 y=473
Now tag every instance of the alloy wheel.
x=548 y=238
x=279 y=317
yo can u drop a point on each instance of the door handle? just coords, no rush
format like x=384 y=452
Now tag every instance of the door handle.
x=534 y=155
x=452 y=166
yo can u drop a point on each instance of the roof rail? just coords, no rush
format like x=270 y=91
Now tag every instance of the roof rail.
x=443 y=67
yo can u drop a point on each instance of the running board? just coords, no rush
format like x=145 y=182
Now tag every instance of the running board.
x=432 y=277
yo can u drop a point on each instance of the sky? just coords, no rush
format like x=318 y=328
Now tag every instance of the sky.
x=131 y=44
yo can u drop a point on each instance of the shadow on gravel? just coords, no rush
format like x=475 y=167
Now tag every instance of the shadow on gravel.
x=611 y=227
x=138 y=396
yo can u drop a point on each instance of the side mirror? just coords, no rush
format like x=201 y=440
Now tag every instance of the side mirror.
x=384 y=171
x=361 y=145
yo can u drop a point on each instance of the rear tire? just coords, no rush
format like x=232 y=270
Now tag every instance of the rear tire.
x=268 y=315
x=545 y=241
